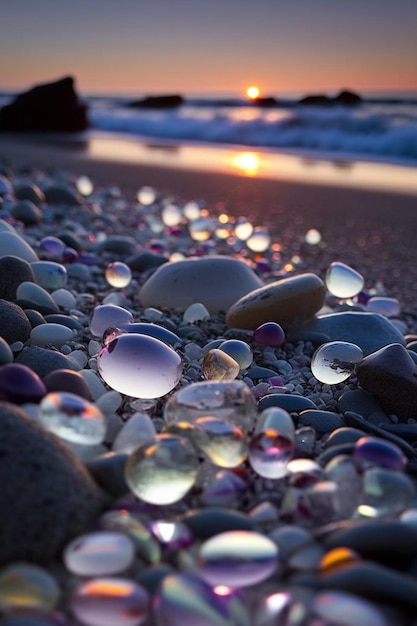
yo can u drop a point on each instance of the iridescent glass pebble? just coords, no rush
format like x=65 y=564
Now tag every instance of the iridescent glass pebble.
x=118 y=274
x=375 y=451
x=303 y=472
x=385 y=492
x=50 y=334
x=237 y=558
x=122 y=521
x=24 y=586
x=335 y=361
x=269 y=334
x=146 y=195
x=99 y=553
x=51 y=247
x=224 y=444
x=49 y=274
x=340 y=607
x=259 y=240
x=110 y=602
x=217 y=365
x=231 y=401
x=139 y=366
x=239 y=350
x=276 y=607
x=20 y=384
x=106 y=315
x=195 y=312
x=162 y=471
x=272 y=445
x=343 y=281
x=390 y=307
x=172 y=534
x=186 y=599
x=72 y=417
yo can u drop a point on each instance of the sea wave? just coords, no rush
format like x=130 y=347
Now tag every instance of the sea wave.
x=358 y=131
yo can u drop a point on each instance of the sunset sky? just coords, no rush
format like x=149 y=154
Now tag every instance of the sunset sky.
x=210 y=46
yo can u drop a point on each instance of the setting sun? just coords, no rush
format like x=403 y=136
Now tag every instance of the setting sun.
x=252 y=92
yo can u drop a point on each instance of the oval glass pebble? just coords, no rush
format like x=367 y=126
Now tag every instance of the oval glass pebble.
x=237 y=558
x=201 y=229
x=313 y=237
x=343 y=281
x=335 y=361
x=243 y=228
x=106 y=315
x=139 y=366
x=224 y=444
x=259 y=240
x=217 y=365
x=99 y=553
x=340 y=607
x=51 y=247
x=72 y=418
x=389 y=307
x=110 y=602
x=172 y=534
x=269 y=453
x=171 y=215
x=269 y=334
x=239 y=350
x=118 y=274
x=385 y=492
x=25 y=586
x=123 y=521
x=162 y=471
x=376 y=451
x=191 y=211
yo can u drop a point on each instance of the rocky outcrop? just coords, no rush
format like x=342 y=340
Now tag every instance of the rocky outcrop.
x=344 y=97
x=158 y=102
x=50 y=107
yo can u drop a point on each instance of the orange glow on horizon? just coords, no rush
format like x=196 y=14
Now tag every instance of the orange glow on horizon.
x=253 y=92
x=248 y=162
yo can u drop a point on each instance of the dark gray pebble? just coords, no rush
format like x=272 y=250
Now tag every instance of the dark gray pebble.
x=14 y=324
x=34 y=317
x=256 y=372
x=43 y=308
x=285 y=401
x=27 y=212
x=330 y=453
x=13 y=272
x=108 y=472
x=29 y=191
x=322 y=421
x=69 y=381
x=343 y=435
x=62 y=196
x=361 y=402
x=405 y=431
x=122 y=245
x=65 y=320
x=47 y=496
x=43 y=361
x=357 y=421
x=206 y=523
x=145 y=260
x=153 y=330
x=152 y=576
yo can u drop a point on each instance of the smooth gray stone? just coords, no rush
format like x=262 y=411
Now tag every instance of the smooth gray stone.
x=322 y=421
x=145 y=260
x=345 y=434
x=13 y=245
x=62 y=196
x=369 y=331
x=43 y=361
x=34 y=317
x=361 y=402
x=68 y=380
x=65 y=320
x=14 y=324
x=108 y=470
x=118 y=244
x=27 y=212
x=47 y=497
x=13 y=271
x=205 y=523
x=29 y=191
x=152 y=576
x=357 y=421
x=257 y=372
x=285 y=401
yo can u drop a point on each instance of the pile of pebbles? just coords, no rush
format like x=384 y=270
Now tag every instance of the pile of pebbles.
x=195 y=427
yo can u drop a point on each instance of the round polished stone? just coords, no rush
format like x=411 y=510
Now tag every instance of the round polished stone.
x=237 y=558
x=49 y=274
x=50 y=335
x=122 y=521
x=101 y=553
x=239 y=350
x=20 y=384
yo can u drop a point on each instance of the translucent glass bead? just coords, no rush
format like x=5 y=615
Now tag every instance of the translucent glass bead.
x=385 y=492
x=24 y=586
x=139 y=366
x=135 y=431
x=195 y=312
x=275 y=608
x=146 y=195
x=118 y=274
x=343 y=281
x=99 y=554
x=376 y=451
x=217 y=365
x=231 y=401
x=162 y=471
x=335 y=361
x=272 y=445
x=240 y=351
x=73 y=418
x=51 y=247
x=174 y=535
x=224 y=444
x=269 y=334
x=84 y=186
x=122 y=521
x=110 y=601
x=106 y=315
x=237 y=558
x=259 y=240
x=171 y=215
x=201 y=229
x=313 y=237
x=337 y=559
x=191 y=211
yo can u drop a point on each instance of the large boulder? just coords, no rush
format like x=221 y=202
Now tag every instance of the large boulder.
x=50 y=107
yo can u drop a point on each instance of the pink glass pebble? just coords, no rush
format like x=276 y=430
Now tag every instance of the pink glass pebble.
x=110 y=602
x=269 y=334
x=106 y=315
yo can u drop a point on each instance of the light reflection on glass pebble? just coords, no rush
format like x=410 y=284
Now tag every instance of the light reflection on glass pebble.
x=272 y=444
x=100 y=553
x=313 y=237
x=259 y=240
x=281 y=609
x=191 y=211
x=139 y=366
x=337 y=559
x=73 y=418
x=171 y=215
x=110 y=601
x=237 y=558
x=269 y=334
x=239 y=350
x=224 y=444
x=118 y=274
x=122 y=521
x=201 y=229
x=217 y=365
x=51 y=247
x=172 y=534
x=185 y=599
x=162 y=471
x=376 y=451
x=335 y=361
x=243 y=229
x=84 y=186
x=25 y=586
x=385 y=492
x=146 y=195
x=343 y=281
x=390 y=307
x=106 y=315
x=340 y=607
x=195 y=312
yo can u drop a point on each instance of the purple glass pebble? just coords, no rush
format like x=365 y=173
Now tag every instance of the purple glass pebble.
x=376 y=451
x=269 y=334
x=20 y=384
x=51 y=248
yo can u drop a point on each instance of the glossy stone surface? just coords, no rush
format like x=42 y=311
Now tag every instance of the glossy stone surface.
x=101 y=553
x=389 y=307
x=24 y=586
x=376 y=451
x=106 y=315
x=72 y=418
x=153 y=330
x=122 y=521
x=272 y=445
x=162 y=471
x=239 y=350
x=343 y=281
x=231 y=401
x=51 y=247
x=19 y=384
x=332 y=606
x=172 y=534
x=110 y=601
x=49 y=274
x=195 y=312
x=118 y=274
x=50 y=335
x=217 y=365
x=139 y=366
x=385 y=492
x=237 y=559
x=335 y=361
x=269 y=334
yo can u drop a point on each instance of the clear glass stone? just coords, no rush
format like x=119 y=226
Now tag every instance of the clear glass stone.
x=335 y=361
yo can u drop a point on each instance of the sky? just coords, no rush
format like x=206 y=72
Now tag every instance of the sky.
x=210 y=46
